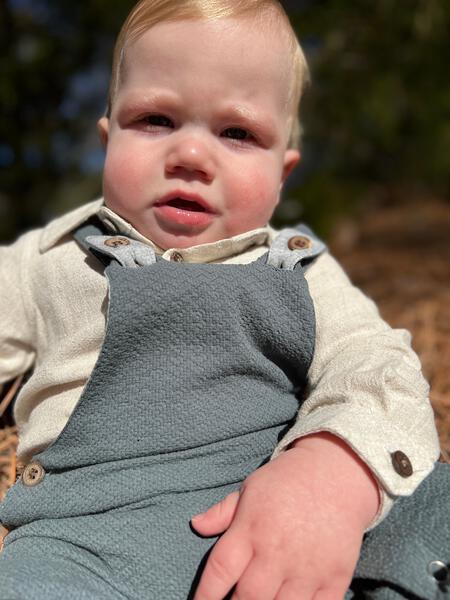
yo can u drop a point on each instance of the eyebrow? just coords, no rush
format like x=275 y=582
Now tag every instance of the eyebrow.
x=256 y=120
x=135 y=102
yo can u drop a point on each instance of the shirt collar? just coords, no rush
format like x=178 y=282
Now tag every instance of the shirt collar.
x=212 y=252
x=57 y=229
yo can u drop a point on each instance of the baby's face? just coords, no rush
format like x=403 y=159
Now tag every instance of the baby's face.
x=196 y=142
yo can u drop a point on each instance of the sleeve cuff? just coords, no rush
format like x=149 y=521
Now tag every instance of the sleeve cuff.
x=391 y=454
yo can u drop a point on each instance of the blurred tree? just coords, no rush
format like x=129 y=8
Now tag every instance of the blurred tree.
x=55 y=60
x=376 y=118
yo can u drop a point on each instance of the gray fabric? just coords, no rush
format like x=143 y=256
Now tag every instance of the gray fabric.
x=201 y=372
x=396 y=554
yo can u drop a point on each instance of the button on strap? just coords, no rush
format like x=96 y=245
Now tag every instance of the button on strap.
x=114 y=242
x=299 y=242
x=292 y=246
x=126 y=251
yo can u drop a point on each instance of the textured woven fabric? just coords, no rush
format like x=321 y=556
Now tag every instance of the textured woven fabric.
x=200 y=374
x=213 y=389
x=396 y=555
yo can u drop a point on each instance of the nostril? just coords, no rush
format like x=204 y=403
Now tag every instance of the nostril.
x=190 y=172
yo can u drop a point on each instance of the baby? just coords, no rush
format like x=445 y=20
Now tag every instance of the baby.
x=189 y=362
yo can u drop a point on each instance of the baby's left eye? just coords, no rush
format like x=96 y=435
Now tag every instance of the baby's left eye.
x=236 y=133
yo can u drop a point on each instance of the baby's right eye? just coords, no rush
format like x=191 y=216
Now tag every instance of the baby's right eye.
x=158 y=121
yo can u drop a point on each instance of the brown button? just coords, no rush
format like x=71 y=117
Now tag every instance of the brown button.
x=401 y=463
x=117 y=241
x=299 y=242
x=33 y=474
x=176 y=257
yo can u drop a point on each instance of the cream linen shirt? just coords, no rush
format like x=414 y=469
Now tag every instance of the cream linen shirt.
x=364 y=385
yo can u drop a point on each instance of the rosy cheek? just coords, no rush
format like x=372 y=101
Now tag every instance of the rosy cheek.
x=258 y=191
x=253 y=201
x=122 y=179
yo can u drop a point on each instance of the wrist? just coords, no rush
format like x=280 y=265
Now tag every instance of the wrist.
x=351 y=477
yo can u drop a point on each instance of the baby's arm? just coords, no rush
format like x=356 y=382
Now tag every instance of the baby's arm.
x=366 y=386
x=295 y=529
x=16 y=332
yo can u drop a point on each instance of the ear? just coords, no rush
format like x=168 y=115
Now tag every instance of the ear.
x=103 y=130
x=291 y=158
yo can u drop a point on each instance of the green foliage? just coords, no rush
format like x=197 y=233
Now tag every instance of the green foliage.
x=44 y=133
x=376 y=117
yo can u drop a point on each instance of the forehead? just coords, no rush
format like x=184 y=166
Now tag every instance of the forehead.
x=250 y=53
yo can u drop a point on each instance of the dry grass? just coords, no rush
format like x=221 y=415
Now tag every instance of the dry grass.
x=8 y=440
x=8 y=443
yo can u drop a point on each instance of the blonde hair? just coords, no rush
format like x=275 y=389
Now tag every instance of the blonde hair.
x=148 y=13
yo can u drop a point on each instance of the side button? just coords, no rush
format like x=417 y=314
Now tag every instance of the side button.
x=33 y=474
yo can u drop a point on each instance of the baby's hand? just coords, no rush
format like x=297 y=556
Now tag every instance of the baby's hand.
x=294 y=530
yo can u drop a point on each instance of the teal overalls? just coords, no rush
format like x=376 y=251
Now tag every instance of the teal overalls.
x=201 y=373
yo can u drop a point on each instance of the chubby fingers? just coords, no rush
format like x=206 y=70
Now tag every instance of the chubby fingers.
x=218 y=518
x=226 y=563
x=260 y=581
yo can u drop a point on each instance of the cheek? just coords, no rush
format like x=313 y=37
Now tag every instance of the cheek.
x=257 y=193
x=122 y=178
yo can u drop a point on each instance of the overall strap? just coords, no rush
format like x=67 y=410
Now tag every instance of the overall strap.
x=293 y=246
x=126 y=251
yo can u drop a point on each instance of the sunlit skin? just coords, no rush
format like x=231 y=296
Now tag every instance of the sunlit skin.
x=191 y=118
x=196 y=151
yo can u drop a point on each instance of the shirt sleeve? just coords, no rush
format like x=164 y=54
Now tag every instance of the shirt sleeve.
x=16 y=324
x=365 y=386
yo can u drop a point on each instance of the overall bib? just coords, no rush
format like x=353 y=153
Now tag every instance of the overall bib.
x=201 y=373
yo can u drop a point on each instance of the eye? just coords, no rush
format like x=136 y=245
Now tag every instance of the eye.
x=158 y=121
x=236 y=133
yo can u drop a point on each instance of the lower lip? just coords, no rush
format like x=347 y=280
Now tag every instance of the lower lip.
x=183 y=218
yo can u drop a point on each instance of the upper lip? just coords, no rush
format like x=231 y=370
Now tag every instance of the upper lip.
x=189 y=196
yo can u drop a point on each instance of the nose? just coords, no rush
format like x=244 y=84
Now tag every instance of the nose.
x=190 y=157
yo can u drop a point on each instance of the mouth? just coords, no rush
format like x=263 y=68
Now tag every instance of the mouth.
x=185 y=202
x=184 y=212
